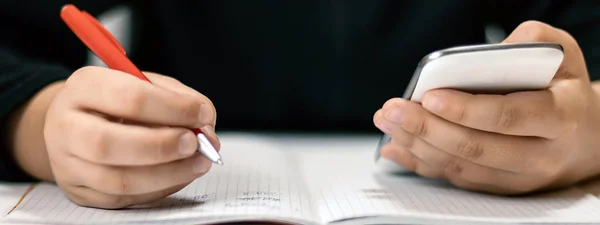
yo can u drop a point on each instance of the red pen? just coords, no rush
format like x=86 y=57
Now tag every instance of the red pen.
x=107 y=48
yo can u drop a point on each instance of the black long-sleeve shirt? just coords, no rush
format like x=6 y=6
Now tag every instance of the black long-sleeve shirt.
x=273 y=65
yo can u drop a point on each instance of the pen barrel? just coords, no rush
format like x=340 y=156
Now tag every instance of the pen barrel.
x=207 y=149
x=125 y=66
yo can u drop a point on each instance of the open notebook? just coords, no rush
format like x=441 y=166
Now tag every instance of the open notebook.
x=261 y=181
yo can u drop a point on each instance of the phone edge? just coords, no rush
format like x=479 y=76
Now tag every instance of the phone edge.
x=455 y=50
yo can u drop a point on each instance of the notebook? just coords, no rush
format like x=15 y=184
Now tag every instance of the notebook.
x=261 y=181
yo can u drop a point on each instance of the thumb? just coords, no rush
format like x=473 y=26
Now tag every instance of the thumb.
x=573 y=65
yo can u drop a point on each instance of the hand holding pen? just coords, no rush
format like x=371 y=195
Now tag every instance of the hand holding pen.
x=164 y=142
x=106 y=47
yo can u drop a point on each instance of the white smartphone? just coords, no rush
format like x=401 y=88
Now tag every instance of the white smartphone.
x=482 y=69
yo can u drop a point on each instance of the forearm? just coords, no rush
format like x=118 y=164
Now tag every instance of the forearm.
x=26 y=130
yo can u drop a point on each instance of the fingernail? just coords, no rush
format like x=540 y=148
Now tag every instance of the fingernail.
x=187 y=144
x=206 y=112
x=201 y=165
x=432 y=102
x=386 y=126
x=395 y=114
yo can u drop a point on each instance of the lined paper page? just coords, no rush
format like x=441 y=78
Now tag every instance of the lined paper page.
x=435 y=200
x=254 y=183
x=10 y=194
x=358 y=190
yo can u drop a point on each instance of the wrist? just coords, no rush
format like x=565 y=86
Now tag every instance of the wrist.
x=26 y=130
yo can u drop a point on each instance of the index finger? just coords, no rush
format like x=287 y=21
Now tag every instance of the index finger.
x=121 y=95
x=175 y=85
x=573 y=64
x=521 y=114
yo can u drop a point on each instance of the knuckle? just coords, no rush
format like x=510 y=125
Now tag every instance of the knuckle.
x=536 y=30
x=547 y=168
x=506 y=118
x=71 y=82
x=114 y=181
x=189 y=107
x=409 y=142
x=391 y=102
x=571 y=42
x=452 y=166
x=461 y=116
x=165 y=145
x=405 y=140
x=565 y=73
x=133 y=99
x=59 y=128
x=83 y=72
x=96 y=142
x=468 y=148
x=419 y=129
x=79 y=78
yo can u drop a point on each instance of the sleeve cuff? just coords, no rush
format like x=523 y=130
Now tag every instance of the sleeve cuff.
x=20 y=83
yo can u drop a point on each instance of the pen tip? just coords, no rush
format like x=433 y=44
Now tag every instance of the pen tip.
x=219 y=162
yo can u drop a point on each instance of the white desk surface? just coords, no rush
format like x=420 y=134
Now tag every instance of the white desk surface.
x=335 y=145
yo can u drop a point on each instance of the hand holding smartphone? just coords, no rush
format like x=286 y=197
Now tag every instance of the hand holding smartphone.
x=482 y=69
